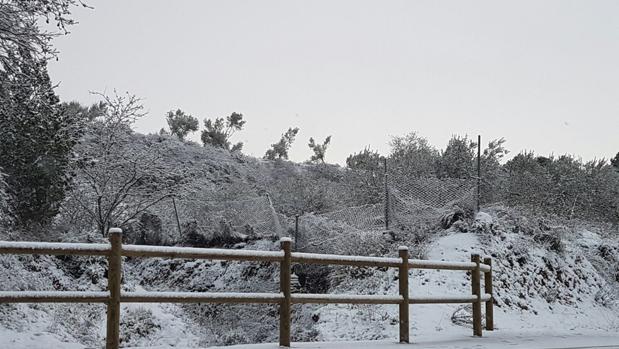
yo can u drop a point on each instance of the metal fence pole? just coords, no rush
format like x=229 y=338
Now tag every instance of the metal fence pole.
x=296 y=232
x=114 y=276
x=478 y=172
x=386 y=179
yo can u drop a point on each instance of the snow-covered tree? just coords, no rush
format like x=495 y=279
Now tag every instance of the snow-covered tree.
x=320 y=150
x=21 y=30
x=458 y=158
x=181 y=124
x=412 y=156
x=280 y=149
x=119 y=175
x=36 y=138
x=219 y=131
x=365 y=178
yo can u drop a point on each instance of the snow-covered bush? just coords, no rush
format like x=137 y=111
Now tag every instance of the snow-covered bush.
x=137 y=324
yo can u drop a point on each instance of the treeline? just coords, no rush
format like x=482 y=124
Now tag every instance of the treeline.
x=87 y=166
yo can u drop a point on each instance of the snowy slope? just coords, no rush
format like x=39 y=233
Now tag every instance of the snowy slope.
x=567 y=292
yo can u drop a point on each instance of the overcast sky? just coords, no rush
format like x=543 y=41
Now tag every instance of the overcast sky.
x=542 y=74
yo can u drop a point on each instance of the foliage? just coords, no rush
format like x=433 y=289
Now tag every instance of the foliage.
x=20 y=28
x=493 y=174
x=5 y=208
x=413 y=156
x=181 y=124
x=564 y=186
x=311 y=188
x=615 y=161
x=137 y=324
x=119 y=175
x=280 y=149
x=218 y=132
x=36 y=138
x=365 y=177
x=458 y=159
x=319 y=149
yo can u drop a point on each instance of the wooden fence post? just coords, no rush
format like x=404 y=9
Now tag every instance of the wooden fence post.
x=488 y=290
x=476 y=288
x=114 y=275
x=284 y=287
x=404 y=305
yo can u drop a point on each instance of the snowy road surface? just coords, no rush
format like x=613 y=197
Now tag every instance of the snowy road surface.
x=495 y=340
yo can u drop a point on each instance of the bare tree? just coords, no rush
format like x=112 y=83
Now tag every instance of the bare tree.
x=119 y=175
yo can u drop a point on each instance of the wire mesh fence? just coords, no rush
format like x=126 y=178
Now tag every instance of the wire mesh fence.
x=430 y=198
x=253 y=216
x=366 y=217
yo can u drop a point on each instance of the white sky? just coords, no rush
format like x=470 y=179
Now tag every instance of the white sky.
x=542 y=74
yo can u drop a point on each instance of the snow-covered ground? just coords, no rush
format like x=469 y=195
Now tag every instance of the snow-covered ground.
x=546 y=297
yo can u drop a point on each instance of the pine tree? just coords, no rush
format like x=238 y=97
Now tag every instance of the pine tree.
x=219 y=131
x=181 y=124
x=319 y=149
x=280 y=149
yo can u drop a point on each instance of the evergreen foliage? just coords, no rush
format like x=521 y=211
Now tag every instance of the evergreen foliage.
x=37 y=135
x=615 y=161
x=458 y=159
x=181 y=124
x=319 y=150
x=280 y=149
x=219 y=131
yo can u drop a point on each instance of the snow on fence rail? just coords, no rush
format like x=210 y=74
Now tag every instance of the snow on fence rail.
x=116 y=250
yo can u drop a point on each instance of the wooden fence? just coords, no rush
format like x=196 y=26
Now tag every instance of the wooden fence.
x=285 y=298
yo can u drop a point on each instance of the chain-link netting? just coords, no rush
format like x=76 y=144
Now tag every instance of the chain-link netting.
x=429 y=198
x=410 y=200
x=251 y=216
x=366 y=217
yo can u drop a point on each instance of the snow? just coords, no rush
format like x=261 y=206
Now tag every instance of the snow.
x=434 y=264
x=33 y=340
x=346 y=297
x=483 y=218
x=19 y=296
x=203 y=296
x=574 y=318
x=207 y=253
x=494 y=340
x=335 y=258
x=33 y=247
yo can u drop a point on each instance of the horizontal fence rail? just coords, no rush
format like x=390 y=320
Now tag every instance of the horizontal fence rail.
x=285 y=298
